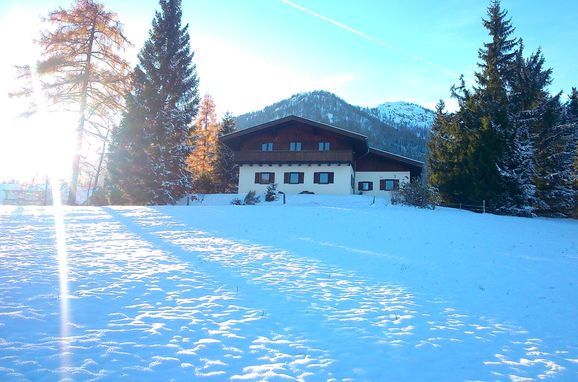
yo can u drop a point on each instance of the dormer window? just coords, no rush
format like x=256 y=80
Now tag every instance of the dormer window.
x=267 y=146
x=295 y=146
x=324 y=146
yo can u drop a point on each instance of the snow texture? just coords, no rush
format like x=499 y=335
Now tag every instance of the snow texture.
x=323 y=288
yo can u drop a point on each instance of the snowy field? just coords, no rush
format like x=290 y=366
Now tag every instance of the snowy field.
x=318 y=289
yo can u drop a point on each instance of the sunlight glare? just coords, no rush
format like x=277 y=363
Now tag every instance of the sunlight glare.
x=52 y=161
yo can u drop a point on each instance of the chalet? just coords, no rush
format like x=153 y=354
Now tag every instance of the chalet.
x=302 y=156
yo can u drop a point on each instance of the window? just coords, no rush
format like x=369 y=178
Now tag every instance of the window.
x=267 y=146
x=295 y=146
x=323 y=177
x=389 y=184
x=264 y=177
x=294 y=177
x=324 y=146
x=365 y=186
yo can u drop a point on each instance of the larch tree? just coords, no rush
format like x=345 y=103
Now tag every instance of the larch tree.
x=81 y=69
x=202 y=162
x=148 y=153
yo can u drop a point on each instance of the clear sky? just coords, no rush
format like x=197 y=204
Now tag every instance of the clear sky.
x=251 y=53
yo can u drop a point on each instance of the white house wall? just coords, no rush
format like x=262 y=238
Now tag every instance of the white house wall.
x=341 y=182
x=376 y=176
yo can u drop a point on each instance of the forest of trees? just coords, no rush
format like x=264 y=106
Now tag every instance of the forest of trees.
x=151 y=124
x=510 y=143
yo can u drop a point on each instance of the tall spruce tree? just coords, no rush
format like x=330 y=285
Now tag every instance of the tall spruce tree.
x=147 y=157
x=528 y=82
x=495 y=130
x=554 y=154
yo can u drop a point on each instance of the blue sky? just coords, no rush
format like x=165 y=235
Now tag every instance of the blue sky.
x=252 y=53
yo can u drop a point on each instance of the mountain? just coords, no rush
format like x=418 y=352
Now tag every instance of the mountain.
x=398 y=127
x=405 y=114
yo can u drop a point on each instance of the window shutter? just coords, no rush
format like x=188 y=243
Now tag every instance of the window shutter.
x=359 y=186
x=301 y=177
x=330 y=177
x=370 y=186
x=382 y=184
x=396 y=184
x=257 y=178
x=286 y=177
x=272 y=177
x=316 y=177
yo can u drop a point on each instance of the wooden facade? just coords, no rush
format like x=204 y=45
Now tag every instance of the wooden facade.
x=346 y=157
x=378 y=160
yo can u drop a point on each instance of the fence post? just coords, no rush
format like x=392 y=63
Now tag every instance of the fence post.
x=460 y=205
x=484 y=207
x=284 y=198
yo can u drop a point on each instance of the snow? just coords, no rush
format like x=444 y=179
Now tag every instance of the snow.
x=322 y=288
x=406 y=113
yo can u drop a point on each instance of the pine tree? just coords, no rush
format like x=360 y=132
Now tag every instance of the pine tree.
x=227 y=171
x=572 y=119
x=528 y=83
x=496 y=129
x=555 y=144
x=204 y=138
x=81 y=67
x=147 y=163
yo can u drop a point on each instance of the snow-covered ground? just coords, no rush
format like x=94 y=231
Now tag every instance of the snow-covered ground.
x=319 y=289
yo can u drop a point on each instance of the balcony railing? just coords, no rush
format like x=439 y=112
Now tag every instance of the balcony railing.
x=311 y=156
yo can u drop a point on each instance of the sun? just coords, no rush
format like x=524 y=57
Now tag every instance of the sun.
x=37 y=147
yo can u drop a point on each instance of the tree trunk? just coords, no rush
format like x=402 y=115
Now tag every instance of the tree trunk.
x=82 y=119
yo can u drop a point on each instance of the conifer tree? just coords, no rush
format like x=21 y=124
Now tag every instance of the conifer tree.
x=81 y=67
x=554 y=154
x=148 y=154
x=202 y=161
x=495 y=130
x=528 y=83
x=226 y=169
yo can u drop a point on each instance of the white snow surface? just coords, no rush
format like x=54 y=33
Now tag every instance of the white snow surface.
x=406 y=113
x=322 y=288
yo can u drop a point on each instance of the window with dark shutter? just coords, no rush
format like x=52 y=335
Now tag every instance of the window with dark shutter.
x=293 y=177
x=264 y=177
x=365 y=186
x=323 y=177
x=389 y=184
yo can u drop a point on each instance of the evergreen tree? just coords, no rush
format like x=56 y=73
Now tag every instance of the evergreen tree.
x=528 y=83
x=495 y=129
x=202 y=161
x=554 y=154
x=572 y=119
x=147 y=163
x=227 y=171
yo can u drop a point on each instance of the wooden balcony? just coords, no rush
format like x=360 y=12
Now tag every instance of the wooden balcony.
x=308 y=156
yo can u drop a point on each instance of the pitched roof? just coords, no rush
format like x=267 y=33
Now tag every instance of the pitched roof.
x=294 y=118
x=397 y=157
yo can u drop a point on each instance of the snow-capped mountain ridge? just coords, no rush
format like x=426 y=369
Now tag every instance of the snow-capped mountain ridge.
x=405 y=113
x=397 y=127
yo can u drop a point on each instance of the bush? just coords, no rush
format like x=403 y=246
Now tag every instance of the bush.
x=271 y=194
x=251 y=198
x=416 y=194
x=237 y=202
